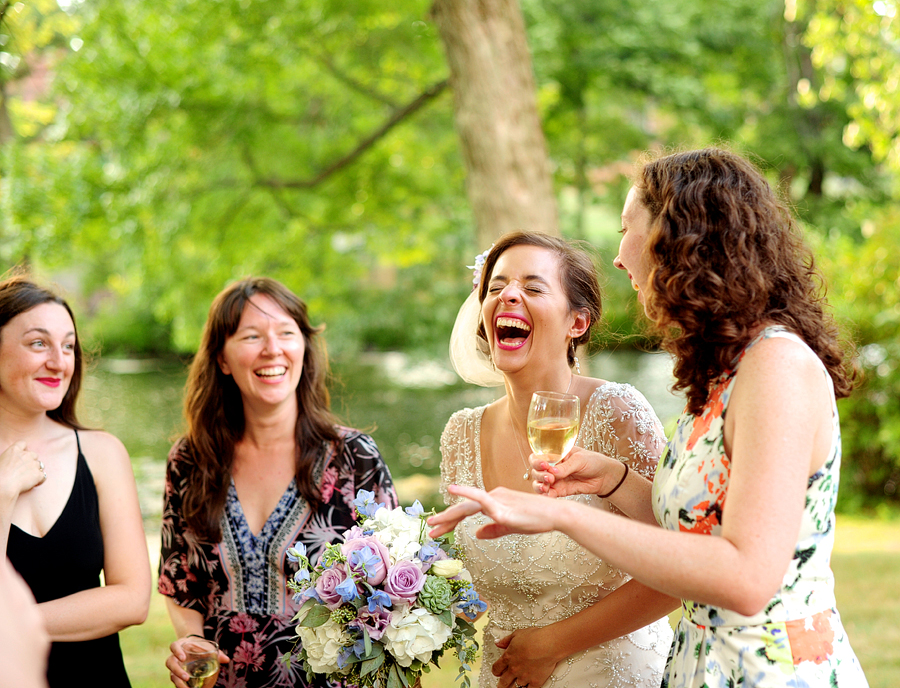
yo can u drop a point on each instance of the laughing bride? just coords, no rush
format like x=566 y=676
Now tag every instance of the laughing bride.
x=559 y=616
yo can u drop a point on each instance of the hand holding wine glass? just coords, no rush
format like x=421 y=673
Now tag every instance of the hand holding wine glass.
x=201 y=662
x=553 y=424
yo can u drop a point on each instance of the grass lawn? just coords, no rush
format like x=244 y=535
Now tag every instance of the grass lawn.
x=866 y=563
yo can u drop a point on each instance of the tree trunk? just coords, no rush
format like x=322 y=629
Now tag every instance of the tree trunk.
x=508 y=171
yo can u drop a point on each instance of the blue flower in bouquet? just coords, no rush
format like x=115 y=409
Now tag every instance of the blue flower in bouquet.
x=381 y=606
x=347 y=590
x=297 y=552
x=415 y=510
x=367 y=556
x=365 y=503
x=470 y=603
x=379 y=600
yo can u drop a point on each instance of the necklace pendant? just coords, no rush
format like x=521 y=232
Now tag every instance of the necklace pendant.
x=525 y=477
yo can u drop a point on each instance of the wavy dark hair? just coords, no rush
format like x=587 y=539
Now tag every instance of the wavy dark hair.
x=725 y=256
x=578 y=275
x=19 y=294
x=214 y=410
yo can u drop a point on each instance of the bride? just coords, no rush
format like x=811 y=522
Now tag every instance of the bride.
x=559 y=616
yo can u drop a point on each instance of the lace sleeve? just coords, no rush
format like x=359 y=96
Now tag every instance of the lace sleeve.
x=457 y=453
x=620 y=423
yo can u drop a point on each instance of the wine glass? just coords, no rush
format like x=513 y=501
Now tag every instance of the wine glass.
x=201 y=662
x=553 y=424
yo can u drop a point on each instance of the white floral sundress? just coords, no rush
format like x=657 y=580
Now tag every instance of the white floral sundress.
x=797 y=640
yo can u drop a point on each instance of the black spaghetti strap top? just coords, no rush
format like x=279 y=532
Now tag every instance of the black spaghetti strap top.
x=68 y=559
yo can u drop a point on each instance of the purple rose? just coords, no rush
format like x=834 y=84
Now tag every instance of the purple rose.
x=403 y=582
x=376 y=566
x=374 y=622
x=326 y=584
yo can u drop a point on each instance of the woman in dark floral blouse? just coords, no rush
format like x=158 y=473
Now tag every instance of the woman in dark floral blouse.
x=263 y=465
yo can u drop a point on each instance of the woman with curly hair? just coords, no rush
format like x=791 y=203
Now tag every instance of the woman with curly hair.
x=263 y=464
x=746 y=489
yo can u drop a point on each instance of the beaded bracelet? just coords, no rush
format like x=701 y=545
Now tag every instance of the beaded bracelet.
x=618 y=484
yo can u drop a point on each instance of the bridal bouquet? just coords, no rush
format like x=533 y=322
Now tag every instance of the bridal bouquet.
x=385 y=603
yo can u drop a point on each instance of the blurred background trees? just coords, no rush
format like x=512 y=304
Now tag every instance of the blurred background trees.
x=152 y=152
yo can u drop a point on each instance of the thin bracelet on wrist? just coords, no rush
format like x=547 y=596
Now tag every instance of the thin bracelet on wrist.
x=618 y=484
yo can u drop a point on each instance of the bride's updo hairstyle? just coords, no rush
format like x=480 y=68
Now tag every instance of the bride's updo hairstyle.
x=577 y=274
x=725 y=256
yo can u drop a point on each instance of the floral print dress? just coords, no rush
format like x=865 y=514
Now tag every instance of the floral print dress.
x=239 y=585
x=797 y=640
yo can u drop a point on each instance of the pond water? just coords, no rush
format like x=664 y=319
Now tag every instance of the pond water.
x=401 y=402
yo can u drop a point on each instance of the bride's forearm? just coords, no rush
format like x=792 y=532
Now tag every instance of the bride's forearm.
x=626 y=609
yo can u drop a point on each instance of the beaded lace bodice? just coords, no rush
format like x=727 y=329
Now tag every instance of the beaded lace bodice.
x=536 y=580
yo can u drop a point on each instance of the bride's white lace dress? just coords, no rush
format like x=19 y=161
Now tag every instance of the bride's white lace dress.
x=536 y=580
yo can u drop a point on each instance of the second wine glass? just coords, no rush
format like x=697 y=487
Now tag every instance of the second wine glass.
x=201 y=662
x=553 y=424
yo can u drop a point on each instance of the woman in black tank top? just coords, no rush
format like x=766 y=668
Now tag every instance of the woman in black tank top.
x=68 y=500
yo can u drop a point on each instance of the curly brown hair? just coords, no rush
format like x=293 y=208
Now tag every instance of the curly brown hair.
x=577 y=273
x=214 y=409
x=726 y=256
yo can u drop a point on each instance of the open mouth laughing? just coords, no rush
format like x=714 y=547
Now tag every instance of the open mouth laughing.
x=511 y=332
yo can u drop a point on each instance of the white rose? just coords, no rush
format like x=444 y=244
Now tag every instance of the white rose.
x=322 y=645
x=414 y=634
x=446 y=568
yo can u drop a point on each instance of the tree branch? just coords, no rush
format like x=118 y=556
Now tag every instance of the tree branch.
x=399 y=115
x=325 y=60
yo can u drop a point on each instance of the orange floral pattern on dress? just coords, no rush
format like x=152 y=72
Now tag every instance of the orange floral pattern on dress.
x=812 y=638
x=713 y=409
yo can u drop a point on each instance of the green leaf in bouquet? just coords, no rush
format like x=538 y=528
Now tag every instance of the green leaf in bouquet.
x=318 y=615
x=465 y=627
x=447 y=617
x=373 y=663
x=393 y=678
x=304 y=607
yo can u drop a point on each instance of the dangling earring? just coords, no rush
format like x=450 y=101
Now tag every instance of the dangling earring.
x=575 y=358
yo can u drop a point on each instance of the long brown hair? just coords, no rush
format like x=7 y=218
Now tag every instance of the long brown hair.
x=214 y=409
x=19 y=294
x=577 y=274
x=726 y=256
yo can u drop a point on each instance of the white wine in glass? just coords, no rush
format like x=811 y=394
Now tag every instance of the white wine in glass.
x=201 y=662
x=553 y=424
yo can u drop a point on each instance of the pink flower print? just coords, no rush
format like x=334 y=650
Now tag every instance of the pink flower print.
x=348 y=492
x=242 y=623
x=328 y=481
x=166 y=587
x=249 y=655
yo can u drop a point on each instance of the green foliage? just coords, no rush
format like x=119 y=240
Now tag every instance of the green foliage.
x=864 y=277
x=153 y=153
x=855 y=42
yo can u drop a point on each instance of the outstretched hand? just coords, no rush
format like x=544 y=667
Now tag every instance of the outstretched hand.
x=510 y=510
